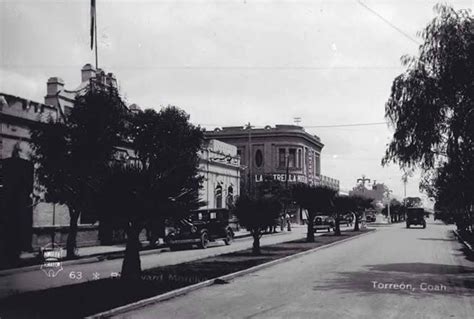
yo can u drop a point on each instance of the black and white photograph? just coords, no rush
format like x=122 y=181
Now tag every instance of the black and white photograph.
x=194 y=159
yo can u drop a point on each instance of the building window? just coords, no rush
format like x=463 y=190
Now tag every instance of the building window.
x=299 y=159
x=292 y=158
x=281 y=157
x=218 y=196
x=230 y=197
x=317 y=160
x=258 y=158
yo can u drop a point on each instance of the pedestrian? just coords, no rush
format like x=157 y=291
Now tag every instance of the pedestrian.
x=282 y=222
x=288 y=224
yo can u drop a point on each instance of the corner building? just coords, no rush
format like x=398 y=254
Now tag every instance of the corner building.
x=283 y=152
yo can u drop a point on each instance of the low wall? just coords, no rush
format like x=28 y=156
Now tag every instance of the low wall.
x=86 y=236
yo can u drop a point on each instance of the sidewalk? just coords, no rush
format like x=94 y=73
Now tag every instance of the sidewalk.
x=28 y=279
x=31 y=260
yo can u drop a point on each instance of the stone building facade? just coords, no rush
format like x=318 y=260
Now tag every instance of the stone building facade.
x=220 y=166
x=286 y=153
x=219 y=162
x=18 y=117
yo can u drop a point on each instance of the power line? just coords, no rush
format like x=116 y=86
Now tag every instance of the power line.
x=406 y=35
x=346 y=125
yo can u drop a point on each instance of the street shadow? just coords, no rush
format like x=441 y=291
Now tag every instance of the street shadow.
x=422 y=268
x=437 y=239
x=418 y=280
x=379 y=225
x=464 y=253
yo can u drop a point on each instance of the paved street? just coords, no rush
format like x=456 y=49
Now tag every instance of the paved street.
x=37 y=280
x=392 y=273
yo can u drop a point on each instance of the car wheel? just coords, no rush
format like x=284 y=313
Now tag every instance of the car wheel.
x=204 y=241
x=229 y=238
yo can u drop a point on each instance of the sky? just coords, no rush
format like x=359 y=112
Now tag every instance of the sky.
x=228 y=63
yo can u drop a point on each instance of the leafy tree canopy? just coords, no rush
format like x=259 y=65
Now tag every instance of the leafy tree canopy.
x=431 y=106
x=431 y=103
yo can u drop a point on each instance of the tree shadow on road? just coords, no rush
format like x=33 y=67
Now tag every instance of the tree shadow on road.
x=419 y=280
x=438 y=239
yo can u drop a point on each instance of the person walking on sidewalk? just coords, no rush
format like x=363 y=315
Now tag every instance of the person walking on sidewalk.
x=288 y=224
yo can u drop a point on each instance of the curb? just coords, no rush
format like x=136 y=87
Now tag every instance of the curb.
x=207 y=283
x=465 y=243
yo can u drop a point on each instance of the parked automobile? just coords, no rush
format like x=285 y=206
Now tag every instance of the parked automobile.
x=347 y=219
x=370 y=217
x=323 y=222
x=415 y=216
x=200 y=227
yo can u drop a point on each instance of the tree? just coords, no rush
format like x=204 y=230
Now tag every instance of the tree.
x=70 y=155
x=275 y=189
x=315 y=199
x=359 y=205
x=431 y=108
x=257 y=214
x=342 y=205
x=397 y=210
x=162 y=182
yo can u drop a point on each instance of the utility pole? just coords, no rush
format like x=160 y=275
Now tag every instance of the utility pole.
x=405 y=181
x=389 y=220
x=249 y=175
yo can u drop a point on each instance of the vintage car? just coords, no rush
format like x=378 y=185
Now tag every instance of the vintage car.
x=370 y=217
x=323 y=222
x=347 y=219
x=415 y=216
x=199 y=228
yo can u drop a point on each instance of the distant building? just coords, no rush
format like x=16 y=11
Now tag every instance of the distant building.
x=40 y=221
x=18 y=117
x=219 y=164
x=286 y=153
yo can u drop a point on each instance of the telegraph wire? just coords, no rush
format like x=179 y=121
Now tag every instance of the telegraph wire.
x=393 y=26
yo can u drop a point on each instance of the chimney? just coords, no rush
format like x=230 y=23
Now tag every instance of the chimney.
x=111 y=81
x=87 y=72
x=54 y=85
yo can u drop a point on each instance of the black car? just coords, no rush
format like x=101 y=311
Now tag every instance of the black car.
x=323 y=222
x=370 y=218
x=200 y=227
x=416 y=216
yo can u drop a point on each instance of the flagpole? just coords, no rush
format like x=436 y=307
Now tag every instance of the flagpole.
x=95 y=39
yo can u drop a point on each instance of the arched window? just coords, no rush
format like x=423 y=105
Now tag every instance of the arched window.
x=229 y=202
x=218 y=196
x=258 y=158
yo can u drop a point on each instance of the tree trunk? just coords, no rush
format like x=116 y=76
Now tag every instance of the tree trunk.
x=310 y=234
x=256 y=243
x=337 y=228
x=131 y=266
x=71 y=237
x=356 y=223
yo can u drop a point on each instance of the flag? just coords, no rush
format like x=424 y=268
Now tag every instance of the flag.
x=92 y=22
